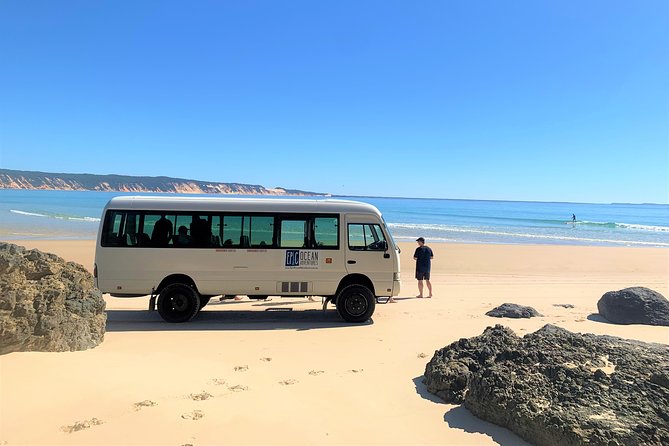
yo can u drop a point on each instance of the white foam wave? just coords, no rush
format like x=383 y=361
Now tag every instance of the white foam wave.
x=643 y=227
x=65 y=217
x=524 y=235
x=59 y=217
x=32 y=214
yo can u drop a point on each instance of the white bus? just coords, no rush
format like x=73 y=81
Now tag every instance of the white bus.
x=185 y=250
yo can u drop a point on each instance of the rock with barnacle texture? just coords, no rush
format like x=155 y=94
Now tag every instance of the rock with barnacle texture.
x=46 y=303
x=557 y=387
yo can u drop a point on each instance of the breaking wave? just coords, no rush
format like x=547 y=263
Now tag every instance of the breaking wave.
x=57 y=216
x=438 y=232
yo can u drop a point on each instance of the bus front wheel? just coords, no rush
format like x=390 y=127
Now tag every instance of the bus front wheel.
x=178 y=303
x=355 y=303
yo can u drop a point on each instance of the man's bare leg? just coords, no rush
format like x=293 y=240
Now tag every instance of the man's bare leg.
x=429 y=288
x=420 y=288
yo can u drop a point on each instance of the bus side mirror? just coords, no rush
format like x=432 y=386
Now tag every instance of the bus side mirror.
x=384 y=246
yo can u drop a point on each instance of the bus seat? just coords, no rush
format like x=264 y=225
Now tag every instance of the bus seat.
x=244 y=241
x=144 y=239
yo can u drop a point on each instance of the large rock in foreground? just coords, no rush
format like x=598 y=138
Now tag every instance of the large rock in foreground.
x=557 y=387
x=636 y=305
x=47 y=304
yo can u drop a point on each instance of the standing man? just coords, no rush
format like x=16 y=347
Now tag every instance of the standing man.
x=162 y=231
x=423 y=257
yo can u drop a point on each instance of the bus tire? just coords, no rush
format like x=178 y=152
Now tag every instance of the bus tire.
x=355 y=303
x=178 y=303
x=204 y=300
x=257 y=297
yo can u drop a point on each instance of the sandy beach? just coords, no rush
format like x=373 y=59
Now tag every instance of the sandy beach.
x=246 y=372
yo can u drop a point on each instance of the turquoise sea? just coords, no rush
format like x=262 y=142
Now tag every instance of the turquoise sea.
x=27 y=214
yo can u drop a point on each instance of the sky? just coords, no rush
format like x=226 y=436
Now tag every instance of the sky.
x=525 y=100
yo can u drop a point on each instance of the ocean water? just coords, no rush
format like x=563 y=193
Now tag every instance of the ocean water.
x=28 y=214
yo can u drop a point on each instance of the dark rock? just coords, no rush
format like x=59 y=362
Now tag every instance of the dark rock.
x=513 y=311
x=563 y=305
x=557 y=387
x=47 y=304
x=636 y=305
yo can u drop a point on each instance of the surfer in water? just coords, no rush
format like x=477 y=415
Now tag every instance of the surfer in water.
x=573 y=218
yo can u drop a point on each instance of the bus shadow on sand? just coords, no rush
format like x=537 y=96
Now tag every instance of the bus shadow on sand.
x=269 y=319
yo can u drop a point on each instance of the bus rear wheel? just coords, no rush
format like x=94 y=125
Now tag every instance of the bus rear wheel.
x=355 y=303
x=178 y=303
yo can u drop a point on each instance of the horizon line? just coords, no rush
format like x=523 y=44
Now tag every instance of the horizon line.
x=499 y=200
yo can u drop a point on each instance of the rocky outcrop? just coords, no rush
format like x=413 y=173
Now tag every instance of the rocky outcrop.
x=513 y=311
x=636 y=305
x=18 y=179
x=557 y=387
x=47 y=304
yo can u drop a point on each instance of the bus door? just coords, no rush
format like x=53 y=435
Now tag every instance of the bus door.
x=367 y=252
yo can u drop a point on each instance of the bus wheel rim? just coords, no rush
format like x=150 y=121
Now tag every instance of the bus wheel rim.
x=356 y=304
x=179 y=303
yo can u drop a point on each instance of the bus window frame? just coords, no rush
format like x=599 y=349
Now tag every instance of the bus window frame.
x=278 y=217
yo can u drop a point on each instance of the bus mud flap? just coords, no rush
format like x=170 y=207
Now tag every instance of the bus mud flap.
x=325 y=303
x=152 y=300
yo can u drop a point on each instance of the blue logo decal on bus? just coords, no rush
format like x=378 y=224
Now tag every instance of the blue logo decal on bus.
x=292 y=257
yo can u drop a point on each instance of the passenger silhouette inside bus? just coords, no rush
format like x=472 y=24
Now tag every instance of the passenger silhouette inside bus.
x=182 y=238
x=200 y=232
x=162 y=231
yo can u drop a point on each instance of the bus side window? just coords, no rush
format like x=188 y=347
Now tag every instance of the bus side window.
x=366 y=237
x=231 y=231
x=356 y=237
x=160 y=227
x=182 y=237
x=113 y=221
x=200 y=231
x=374 y=238
x=293 y=234
x=129 y=233
x=326 y=232
x=216 y=231
x=262 y=231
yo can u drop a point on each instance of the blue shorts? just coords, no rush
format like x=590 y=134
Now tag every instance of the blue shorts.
x=423 y=275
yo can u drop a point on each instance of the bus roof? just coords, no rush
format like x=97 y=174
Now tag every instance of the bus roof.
x=236 y=204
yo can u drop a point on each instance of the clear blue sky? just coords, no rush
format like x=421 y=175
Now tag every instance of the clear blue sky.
x=522 y=100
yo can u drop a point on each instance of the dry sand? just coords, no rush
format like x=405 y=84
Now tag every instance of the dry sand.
x=251 y=372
